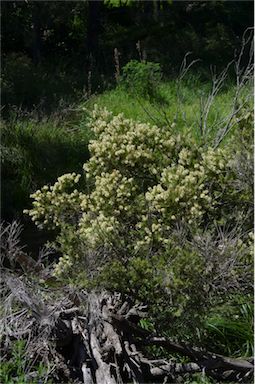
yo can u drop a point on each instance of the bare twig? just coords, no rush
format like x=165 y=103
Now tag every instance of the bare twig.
x=244 y=74
x=206 y=105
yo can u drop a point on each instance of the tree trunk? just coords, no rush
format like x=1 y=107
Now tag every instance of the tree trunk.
x=93 y=29
x=36 y=33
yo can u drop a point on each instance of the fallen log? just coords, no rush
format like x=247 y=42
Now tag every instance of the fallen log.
x=97 y=339
x=111 y=342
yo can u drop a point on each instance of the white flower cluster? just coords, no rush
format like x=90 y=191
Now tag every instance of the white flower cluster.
x=113 y=193
x=143 y=180
x=100 y=230
x=112 y=200
x=63 y=265
x=215 y=160
x=52 y=206
x=185 y=189
x=132 y=147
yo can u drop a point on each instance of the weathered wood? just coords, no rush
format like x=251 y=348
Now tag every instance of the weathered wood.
x=208 y=359
x=107 y=344
x=113 y=343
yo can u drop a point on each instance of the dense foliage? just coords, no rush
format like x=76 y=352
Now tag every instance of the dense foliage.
x=158 y=218
x=141 y=78
x=58 y=50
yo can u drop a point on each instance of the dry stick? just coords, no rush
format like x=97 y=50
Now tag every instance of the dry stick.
x=184 y=68
x=10 y=241
x=103 y=372
x=230 y=123
x=205 y=359
x=86 y=366
x=242 y=77
x=230 y=118
x=245 y=42
x=154 y=119
x=217 y=84
x=117 y=64
x=174 y=368
x=133 y=365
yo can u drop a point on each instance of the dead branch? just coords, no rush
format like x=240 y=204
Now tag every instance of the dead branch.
x=244 y=74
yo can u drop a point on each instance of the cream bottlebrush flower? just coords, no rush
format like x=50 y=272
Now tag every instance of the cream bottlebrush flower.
x=141 y=177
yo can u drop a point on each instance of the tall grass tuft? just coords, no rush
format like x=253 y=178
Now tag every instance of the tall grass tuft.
x=232 y=334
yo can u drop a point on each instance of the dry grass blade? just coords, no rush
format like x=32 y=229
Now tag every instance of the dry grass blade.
x=10 y=243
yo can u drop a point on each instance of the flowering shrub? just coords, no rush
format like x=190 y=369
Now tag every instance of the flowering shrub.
x=142 y=181
x=56 y=205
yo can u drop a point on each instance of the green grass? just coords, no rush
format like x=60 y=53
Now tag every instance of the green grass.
x=230 y=329
x=180 y=105
x=199 y=378
x=13 y=368
x=35 y=152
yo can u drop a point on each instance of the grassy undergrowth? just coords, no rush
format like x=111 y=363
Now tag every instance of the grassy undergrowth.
x=178 y=103
x=35 y=152
x=15 y=368
x=230 y=329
